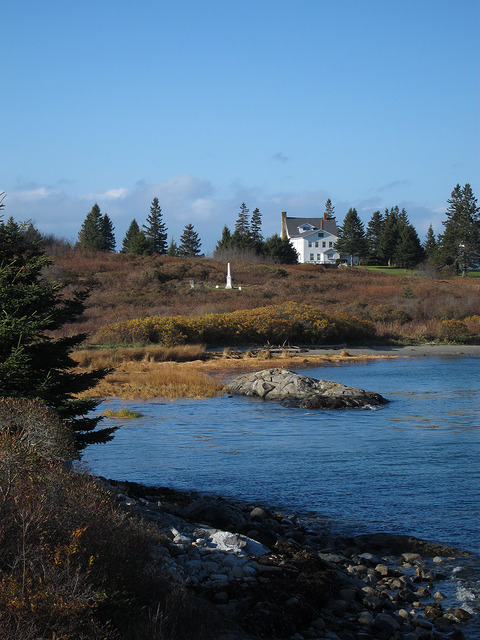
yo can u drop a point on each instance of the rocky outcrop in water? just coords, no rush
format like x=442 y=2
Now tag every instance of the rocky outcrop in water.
x=295 y=390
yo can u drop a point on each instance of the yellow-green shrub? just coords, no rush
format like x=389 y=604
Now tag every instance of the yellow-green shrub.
x=275 y=324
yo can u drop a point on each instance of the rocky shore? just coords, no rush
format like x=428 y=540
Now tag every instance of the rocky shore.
x=266 y=574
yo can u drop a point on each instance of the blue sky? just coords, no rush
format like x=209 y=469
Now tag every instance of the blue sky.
x=280 y=104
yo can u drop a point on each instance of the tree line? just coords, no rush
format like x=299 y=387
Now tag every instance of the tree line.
x=247 y=240
x=390 y=239
x=97 y=232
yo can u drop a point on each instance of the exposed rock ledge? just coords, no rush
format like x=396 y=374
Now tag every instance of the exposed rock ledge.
x=295 y=390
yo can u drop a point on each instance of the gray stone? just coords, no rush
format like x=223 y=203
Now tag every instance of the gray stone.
x=295 y=390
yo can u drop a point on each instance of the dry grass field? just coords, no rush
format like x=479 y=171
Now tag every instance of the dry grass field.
x=411 y=307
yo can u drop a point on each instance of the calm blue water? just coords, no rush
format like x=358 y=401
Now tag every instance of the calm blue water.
x=409 y=467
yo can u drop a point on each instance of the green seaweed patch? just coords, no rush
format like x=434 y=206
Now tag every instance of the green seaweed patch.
x=123 y=413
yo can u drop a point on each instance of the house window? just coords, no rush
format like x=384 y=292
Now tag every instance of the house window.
x=318 y=256
x=311 y=257
x=324 y=244
x=310 y=244
x=320 y=234
x=316 y=244
x=330 y=244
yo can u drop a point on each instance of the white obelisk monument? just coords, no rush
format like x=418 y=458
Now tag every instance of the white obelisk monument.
x=229 y=278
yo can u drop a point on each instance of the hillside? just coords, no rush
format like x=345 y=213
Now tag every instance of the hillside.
x=409 y=307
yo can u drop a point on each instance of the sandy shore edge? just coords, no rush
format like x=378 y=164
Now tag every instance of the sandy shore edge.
x=413 y=350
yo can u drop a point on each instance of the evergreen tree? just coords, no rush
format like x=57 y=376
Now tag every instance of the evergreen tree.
x=135 y=241
x=430 y=246
x=256 y=237
x=225 y=241
x=329 y=209
x=409 y=251
x=351 y=237
x=107 y=235
x=155 y=229
x=90 y=234
x=389 y=238
x=172 y=249
x=241 y=235
x=460 y=242
x=190 y=243
x=280 y=250
x=33 y=364
x=372 y=237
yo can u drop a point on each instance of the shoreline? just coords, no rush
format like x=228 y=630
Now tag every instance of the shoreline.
x=420 y=350
x=269 y=574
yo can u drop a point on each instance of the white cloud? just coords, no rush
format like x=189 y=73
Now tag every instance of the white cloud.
x=111 y=194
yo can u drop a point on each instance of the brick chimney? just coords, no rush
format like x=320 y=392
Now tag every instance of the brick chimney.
x=284 y=225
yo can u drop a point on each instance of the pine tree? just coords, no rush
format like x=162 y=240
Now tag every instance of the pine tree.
x=107 y=235
x=135 y=241
x=329 y=209
x=155 y=229
x=351 y=237
x=389 y=238
x=33 y=364
x=460 y=242
x=280 y=250
x=256 y=237
x=190 y=243
x=225 y=242
x=241 y=235
x=430 y=246
x=90 y=234
x=409 y=251
x=172 y=249
x=372 y=237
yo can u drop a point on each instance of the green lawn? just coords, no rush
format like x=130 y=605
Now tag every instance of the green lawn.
x=394 y=270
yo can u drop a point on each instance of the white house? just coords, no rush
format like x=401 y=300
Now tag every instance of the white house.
x=313 y=238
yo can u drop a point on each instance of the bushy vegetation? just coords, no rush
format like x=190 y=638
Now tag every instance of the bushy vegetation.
x=127 y=287
x=73 y=566
x=274 y=324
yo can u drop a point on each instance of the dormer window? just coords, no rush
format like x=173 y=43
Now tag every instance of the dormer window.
x=306 y=227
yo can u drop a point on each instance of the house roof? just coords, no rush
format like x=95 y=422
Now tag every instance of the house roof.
x=319 y=224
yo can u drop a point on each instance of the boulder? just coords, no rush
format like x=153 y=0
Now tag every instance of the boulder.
x=295 y=390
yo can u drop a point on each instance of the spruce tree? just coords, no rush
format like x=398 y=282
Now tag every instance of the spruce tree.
x=256 y=237
x=329 y=209
x=460 y=242
x=135 y=240
x=190 y=243
x=241 y=235
x=106 y=232
x=225 y=242
x=430 y=246
x=372 y=237
x=280 y=250
x=389 y=237
x=90 y=234
x=172 y=249
x=409 y=251
x=33 y=364
x=351 y=237
x=155 y=229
